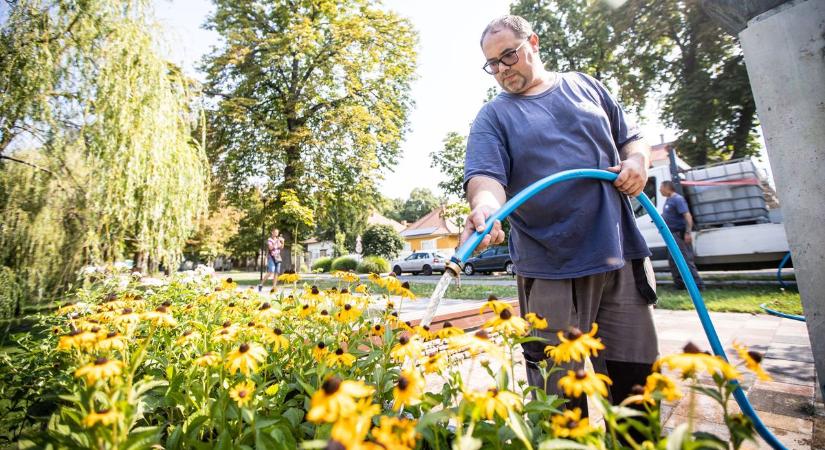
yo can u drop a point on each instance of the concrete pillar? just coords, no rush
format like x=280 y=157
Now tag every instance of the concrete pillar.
x=784 y=50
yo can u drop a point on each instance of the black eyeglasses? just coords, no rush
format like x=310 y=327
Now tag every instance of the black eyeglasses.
x=508 y=59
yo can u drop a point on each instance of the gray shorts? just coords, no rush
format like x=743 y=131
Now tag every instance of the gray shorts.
x=611 y=299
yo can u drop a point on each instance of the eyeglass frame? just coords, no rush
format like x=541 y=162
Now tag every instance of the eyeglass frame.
x=499 y=61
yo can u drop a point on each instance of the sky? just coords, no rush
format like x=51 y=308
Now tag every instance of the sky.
x=450 y=85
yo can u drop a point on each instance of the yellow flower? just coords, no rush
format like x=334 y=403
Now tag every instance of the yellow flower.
x=207 y=359
x=435 y=363
x=362 y=288
x=408 y=390
x=423 y=331
x=188 y=336
x=570 y=424
x=77 y=339
x=340 y=357
x=243 y=393
x=320 y=351
x=313 y=294
x=377 y=330
x=273 y=389
x=306 y=310
x=508 y=324
x=289 y=277
x=581 y=381
x=692 y=362
x=349 y=431
x=752 y=360
x=245 y=358
x=106 y=416
x=403 y=290
x=347 y=277
x=228 y=285
x=476 y=344
x=160 y=317
x=112 y=341
x=536 y=320
x=276 y=337
x=395 y=433
x=392 y=283
x=127 y=316
x=267 y=312
x=575 y=345
x=656 y=382
x=100 y=369
x=448 y=330
x=407 y=348
x=494 y=402
x=336 y=399
x=324 y=316
x=494 y=305
x=376 y=279
x=347 y=313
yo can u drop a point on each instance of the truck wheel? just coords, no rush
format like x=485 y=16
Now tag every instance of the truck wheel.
x=509 y=267
x=427 y=270
x=397 y=270
x=468 y=269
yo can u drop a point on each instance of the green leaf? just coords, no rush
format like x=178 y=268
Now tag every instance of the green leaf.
x=524 y=433
x=678 y=437
x=141 y=438
x=562 y=444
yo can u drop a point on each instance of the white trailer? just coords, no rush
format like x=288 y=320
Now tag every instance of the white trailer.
x=735 y=234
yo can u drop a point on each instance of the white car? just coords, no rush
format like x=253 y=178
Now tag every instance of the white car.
x=424 y=262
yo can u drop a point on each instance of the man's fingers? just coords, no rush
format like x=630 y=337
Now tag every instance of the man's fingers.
x=615 y=169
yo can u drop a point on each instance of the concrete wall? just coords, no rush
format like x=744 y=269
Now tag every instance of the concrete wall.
x=785 y=55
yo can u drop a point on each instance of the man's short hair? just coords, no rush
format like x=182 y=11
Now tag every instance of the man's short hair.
x=669 y=185
x=517 y=24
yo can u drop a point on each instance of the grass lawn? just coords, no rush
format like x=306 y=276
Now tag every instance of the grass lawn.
x=721 y=299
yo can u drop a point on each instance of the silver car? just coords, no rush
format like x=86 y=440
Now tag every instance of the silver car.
x=424 y=262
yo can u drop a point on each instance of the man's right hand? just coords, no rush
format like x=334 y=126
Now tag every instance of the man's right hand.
x=476 y=221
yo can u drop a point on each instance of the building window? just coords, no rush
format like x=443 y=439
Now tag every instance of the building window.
x=323 y=252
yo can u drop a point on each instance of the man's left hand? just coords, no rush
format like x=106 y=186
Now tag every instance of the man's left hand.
x=632 y=175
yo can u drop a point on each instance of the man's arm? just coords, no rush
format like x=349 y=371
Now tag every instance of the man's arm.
x=486 y=196
x=688 y=227
x=633 y=168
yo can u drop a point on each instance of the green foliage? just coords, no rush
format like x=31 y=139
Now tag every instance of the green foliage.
x=344 y=263
x=382 y=240
x=311 y=96
x=11 y=293
x=450 y=160
x=322 y=264
x=373 y=264
x=115 y=172
x=642 y=46
x=421 y=202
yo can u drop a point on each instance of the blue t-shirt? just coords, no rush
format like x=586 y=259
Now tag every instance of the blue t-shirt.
x=674 y=212
x=574 y=228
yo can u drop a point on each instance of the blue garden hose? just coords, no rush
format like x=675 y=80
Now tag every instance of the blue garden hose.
x=472 y=242
x=779 y=270
x=782 y=283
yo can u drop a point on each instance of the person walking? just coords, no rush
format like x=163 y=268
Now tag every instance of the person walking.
x=680 y=222
x=273 y=258
x=579 y=257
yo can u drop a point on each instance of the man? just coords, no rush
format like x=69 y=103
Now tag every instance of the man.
x=680 y=222
x=273 y=258
x=574 y=245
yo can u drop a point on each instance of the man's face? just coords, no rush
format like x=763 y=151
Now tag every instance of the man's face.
x=664 y=190
x=516 y=78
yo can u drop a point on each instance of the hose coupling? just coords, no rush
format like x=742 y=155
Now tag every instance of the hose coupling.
x=453 y=266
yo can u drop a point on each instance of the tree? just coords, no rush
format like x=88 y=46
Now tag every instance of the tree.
x=643 y=46
x=421 y=202
x=382 y=240
x=107 y=141
x=307 y=91
x=450 y=160
x=215 y=232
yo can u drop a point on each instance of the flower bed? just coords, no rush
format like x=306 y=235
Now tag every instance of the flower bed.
x=193 y=362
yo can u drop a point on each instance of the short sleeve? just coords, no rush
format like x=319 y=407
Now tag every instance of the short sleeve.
x=681 y=206
x=623 y=128
x=486 y=154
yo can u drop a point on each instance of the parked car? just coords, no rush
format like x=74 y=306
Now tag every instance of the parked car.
x=424 y=262
x=494 y=259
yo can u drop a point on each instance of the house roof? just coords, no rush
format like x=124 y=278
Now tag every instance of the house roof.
x=377 y=219
x=660 y=155
x=432 y=224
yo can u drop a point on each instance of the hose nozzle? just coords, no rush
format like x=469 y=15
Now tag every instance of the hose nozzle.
x=453 y=266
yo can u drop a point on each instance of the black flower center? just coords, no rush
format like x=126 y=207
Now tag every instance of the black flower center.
x=277 y=331
x=315 y=290
x=127 y=310
x=405 y=285
x=403 y=340
x=691 y=348
x=95 y=329
x=571 y=424
x=324 y=312
x=321 y=346
x=112 y=334
x=229 y=280
x=331 y=385
x=347 y=307
x=403 y=383
x=242 y=393
x=574 y=333
x=378 y=328
x=492 y=298
x=448 y=324
x=264 y=306
x=227 y=324
x=756 y=356
x=250 y=324
x=243 y=348
x=581 y=374
x=505 y=314
x=101 y=361
x=482 y=334
x=339 y=352
x=167 y=303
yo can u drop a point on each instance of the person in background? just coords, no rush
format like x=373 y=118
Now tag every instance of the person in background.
x=680 y=222
x=273 y=259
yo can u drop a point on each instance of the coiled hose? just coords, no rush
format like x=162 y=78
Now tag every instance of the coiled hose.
x=472 y=242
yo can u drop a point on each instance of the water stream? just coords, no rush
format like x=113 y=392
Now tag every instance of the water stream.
x=435 y=299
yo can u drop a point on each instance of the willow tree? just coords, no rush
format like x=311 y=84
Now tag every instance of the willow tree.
x=104 y=142
x=304 y=91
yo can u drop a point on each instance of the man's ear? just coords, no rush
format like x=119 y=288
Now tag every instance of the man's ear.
x=534 y=41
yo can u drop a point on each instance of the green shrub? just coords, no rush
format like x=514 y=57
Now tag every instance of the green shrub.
x=344 y=263
x=322 y=264
x=373 y=264
x=382 y=240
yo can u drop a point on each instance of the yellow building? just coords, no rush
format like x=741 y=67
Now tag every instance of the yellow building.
x=431 y=232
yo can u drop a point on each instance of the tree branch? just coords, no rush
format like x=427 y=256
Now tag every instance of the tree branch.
x=26 y=163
